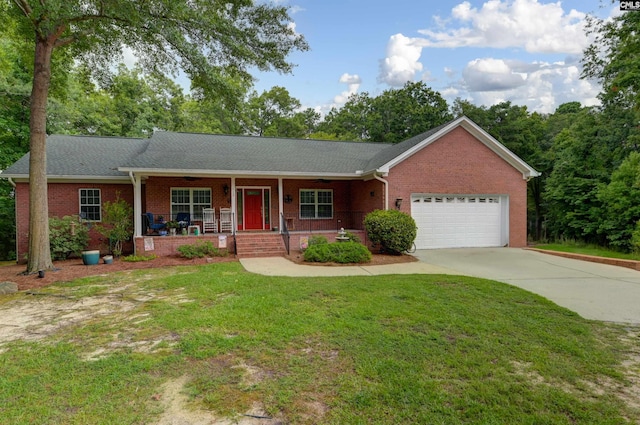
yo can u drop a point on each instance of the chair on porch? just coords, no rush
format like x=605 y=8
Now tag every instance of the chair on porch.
x=150 y=224
x=209 y=220
x=183 y=219
x=226 y=224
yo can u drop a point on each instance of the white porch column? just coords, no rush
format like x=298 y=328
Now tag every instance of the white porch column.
x=280 y=204
x=137 y=204
x=234 y=204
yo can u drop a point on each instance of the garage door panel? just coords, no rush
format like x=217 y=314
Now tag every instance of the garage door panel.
x=454 y=221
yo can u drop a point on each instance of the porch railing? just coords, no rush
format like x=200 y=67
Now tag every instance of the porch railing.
x=352 y=220
x=195 y=219
x=286 y=237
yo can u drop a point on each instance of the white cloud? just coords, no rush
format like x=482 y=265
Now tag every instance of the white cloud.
x=541 y=86
x=528 y=28
x=353 y=84
x=491 y=75
x=527 y=24
x=401 y=63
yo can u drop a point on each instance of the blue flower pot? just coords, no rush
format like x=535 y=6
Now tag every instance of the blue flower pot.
x=90 y=258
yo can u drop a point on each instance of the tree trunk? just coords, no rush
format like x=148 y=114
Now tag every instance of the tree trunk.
x=39 y=248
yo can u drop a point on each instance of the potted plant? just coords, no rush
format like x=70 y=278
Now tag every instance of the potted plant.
x=172 y=226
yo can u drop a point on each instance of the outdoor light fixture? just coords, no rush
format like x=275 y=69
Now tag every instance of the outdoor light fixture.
x=372 y=193
x=398 y=203
x=225 y=189
x=288 y=199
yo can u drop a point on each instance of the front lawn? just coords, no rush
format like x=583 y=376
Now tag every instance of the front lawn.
x=405 y=349
x=587 y=249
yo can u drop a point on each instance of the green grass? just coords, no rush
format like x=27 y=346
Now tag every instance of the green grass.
x=586 y=249
x=428 y=349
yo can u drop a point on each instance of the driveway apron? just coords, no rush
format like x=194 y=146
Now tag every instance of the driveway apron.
x=595 y=291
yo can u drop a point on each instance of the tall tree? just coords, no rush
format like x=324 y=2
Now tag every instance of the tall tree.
x=213 y=42
x=403 y=113
x=351 y=122
x=269 y=113
x=613 y=58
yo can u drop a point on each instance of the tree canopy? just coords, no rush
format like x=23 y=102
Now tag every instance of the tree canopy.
x=214 y=43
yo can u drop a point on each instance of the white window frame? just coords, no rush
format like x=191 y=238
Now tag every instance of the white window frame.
x=191 y=203
x=316 y=203
x=83 y=213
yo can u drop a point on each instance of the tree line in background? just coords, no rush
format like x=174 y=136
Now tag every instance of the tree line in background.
x=589 y=157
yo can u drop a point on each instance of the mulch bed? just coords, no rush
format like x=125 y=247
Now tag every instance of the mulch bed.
x=73 y=269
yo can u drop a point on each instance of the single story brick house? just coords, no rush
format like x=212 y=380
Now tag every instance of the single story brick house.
x=463 y=187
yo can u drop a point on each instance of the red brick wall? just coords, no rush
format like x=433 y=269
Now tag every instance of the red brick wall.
x=459 y=163
x=158 y=193
x=64 y=199
x=168 y=245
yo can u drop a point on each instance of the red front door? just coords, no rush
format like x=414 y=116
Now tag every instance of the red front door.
x=253 y=209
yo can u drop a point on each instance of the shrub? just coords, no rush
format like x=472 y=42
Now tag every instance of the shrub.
x=117 y=220
x=67 y=237
x=352 y=237
x=338 y=252
x=318 y=240
x=200 y=250
x=395 y=231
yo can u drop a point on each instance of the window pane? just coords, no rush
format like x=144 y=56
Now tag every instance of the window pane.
x=190 y=201
x=324 y=197
x=307 y=211
x=90 y=204
x=307 y=197
x=325 y=211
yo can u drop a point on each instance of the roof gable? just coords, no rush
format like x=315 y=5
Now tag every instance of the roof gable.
x=388 y=159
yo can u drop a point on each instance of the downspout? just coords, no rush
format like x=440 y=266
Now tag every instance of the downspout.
x=386 y=190
x=15 y=211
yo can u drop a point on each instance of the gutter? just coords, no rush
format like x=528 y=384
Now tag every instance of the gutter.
x=11 y=182
x=386 y=190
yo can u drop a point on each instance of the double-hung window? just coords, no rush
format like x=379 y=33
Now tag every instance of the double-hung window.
x=190 y=200
x=316 y=203
x=90 y=204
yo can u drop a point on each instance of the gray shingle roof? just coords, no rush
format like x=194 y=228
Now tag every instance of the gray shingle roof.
x=89 y=156
x=170 y=152
x=214 y=152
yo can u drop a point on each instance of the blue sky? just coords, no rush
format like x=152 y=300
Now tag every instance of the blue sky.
x=485 y=51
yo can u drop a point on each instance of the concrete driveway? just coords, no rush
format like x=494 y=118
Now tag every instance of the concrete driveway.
x=595 y=291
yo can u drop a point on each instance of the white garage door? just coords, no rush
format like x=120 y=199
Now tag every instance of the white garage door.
x=460 y=221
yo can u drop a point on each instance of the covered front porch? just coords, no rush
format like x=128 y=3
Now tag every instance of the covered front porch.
x=243 y=244
x=292 y=206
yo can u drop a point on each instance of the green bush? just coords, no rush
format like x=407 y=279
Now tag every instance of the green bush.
x=318 y=240
x=337 y=252
x=8 y=225
x=200 y=250
x=117 y=224
x=352 y=237
x=63 y=240
x=393 y=230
